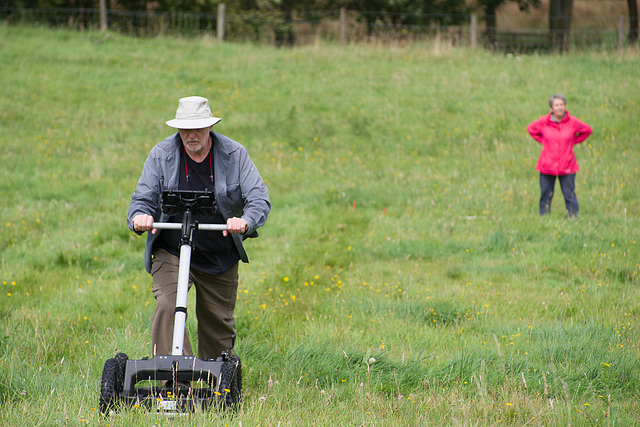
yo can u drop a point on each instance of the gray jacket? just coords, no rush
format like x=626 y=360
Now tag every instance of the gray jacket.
x=240 y=190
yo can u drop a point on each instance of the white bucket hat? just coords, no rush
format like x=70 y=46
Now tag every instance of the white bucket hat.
x=193 y=113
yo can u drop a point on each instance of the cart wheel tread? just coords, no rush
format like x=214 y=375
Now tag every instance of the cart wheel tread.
x=108 y=393
x=121 y=359
x=231 y=383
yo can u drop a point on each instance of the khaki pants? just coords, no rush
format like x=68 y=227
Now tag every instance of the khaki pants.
x=215 y=302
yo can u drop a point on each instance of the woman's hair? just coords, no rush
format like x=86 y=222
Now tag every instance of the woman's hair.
x=557 y=96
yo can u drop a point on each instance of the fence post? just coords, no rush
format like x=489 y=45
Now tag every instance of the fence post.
x=620 y=33
x=474 y=30
x=220 y=26
x=343 y=26
x=104 y=20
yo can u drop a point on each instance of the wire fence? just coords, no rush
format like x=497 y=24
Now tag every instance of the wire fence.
x=305 y=27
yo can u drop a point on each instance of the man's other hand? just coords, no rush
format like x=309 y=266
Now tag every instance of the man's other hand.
x=236 y=226
x=143 y=222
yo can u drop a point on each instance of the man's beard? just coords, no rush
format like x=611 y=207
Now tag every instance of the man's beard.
x=198 y=149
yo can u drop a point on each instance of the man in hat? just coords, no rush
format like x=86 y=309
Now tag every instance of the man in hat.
x=196 y=158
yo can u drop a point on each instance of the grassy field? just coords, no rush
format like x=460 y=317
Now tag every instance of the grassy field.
x=403 y=277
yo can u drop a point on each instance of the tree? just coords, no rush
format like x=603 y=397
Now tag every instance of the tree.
x=490 y=7
x=285 y=34
x=187 y=6
x=560 y=12
x=283 y=23
x=633 y=21
x=407 y=12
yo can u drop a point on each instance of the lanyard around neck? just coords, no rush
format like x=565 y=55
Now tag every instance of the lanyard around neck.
x=186 y=169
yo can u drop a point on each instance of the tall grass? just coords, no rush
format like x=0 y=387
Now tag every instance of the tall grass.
x=404 y=276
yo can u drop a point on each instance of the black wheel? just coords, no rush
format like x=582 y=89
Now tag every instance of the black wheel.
x=121 y=359
x=108 y=394
x=231 y=383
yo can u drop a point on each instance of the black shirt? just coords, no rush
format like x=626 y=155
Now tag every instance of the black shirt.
x=212 y=253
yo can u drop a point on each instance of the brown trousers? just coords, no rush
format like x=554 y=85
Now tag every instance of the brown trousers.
x=215 y=302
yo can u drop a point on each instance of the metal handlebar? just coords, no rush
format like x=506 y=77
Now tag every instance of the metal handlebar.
x=177 y=226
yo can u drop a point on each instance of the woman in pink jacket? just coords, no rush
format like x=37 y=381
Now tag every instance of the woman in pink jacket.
x=558 y=132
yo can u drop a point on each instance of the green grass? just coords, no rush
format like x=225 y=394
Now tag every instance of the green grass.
x=439 y=297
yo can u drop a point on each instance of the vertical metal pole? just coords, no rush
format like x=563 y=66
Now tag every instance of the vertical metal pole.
x=104 y=20
x=221 y=19
x=181 y=300
x=343 y=26
x=474 y=30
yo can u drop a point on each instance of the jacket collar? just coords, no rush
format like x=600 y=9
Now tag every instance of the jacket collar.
x=222 y=145
x=564 y=119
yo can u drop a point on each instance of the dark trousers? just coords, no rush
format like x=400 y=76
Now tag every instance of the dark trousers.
x=568 y=186
x=215 y=303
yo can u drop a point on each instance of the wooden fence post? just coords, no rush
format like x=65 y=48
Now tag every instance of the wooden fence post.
x=343 y=26
x=474 y=30
x=104 y=20
x=220 y=26
x=620 y=33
